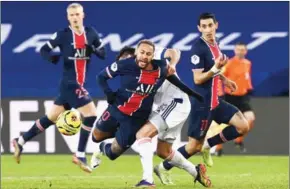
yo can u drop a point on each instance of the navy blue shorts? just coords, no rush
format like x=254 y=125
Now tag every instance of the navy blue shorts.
x=200 y=118
x=125 y=127
x=107 y=122
x=72 y=96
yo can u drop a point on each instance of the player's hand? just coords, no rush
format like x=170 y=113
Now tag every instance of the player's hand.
x=231 y=85
x=221 y=61
x=171 y=69
x=55 y=59
x=111 y=97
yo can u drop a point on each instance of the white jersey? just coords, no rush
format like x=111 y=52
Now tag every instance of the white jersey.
x=168 y=91
x=170 y=109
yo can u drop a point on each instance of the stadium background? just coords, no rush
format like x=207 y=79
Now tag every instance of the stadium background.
x=29 y=84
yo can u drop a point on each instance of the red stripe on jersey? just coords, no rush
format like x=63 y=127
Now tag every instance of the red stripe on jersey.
x=214 y=93
x=80 y=43
x=135 y=101
x=214 y=90
x=133 y=104
x=149 y=77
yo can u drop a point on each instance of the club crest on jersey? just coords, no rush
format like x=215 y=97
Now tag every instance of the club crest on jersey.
x=114 y=67
x=195 y=59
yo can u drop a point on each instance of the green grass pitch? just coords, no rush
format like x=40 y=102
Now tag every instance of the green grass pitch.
x=57 y=172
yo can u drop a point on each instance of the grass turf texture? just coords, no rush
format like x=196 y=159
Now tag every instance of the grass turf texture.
x=57 y=171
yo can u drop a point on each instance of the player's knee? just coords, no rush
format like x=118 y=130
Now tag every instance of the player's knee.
x=243 y=127
x=147 y=131
x=193 y=149
x=97 y=136
x=163 y=153
x=52 y=118
x=193 y=146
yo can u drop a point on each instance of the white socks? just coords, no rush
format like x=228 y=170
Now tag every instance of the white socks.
x=177 y=159
x=145 y=149
x=80 y=154
x=21 y=141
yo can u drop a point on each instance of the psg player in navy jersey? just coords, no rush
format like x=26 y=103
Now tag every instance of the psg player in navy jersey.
x=131 y=105
x=77 y=43
x=206 y=63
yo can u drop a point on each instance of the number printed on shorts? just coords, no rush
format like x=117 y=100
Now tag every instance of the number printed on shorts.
x=81 y=92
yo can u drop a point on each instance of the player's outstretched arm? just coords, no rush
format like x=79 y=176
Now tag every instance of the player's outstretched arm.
x=110 y=72
x=102 y=81
x=178 y=83
x=45 y=53
x=201 y=77
x=45 y=50
x=173 y=55
x=97 y=46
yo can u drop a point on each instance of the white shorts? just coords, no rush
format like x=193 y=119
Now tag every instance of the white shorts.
x=168 y=118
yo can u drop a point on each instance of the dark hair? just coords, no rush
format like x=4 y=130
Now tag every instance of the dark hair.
x=241 y=44
x=126 y=49
x=206 y=15
x=148 y=42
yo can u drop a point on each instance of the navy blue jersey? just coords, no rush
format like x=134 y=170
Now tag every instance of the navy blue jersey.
x=76 y=51
x=138 y=86
x=203 y=55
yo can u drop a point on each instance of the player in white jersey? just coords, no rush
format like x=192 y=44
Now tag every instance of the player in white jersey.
x=170 y=110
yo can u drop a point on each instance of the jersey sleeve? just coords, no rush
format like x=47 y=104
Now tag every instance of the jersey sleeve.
x=197 y=59
x=116 y=68
x=55 y=40
x=97 y=42
x=159 y=53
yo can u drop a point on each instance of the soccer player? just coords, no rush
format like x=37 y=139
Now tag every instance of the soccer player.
x=170 y=110
x=77 y=43
x=238 y=69
x=131 y=105
x=207 y=62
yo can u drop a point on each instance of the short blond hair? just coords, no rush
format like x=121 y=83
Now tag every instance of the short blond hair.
x=73 y=6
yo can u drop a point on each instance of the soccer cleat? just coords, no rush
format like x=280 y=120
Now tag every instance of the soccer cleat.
x=207 y=156
x=96 y=159
x=163 y=175
x=18 y=150
x=145 y=184
x=219 y=153
x=82 y=163
x=201 y=177
x=241 y=147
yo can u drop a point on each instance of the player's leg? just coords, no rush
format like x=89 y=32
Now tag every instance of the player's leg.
x=214 y=129
x=250 y=117
x=124 y=138
x=145 y=148
x=38 y=127
x=105 y=128
x=89 y=113
x=199 y=120
x=79 y=98
x=238 y=125
x=174 y=157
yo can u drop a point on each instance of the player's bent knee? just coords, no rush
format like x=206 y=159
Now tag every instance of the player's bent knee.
x=243 y=127
x=163 y=153
x=147 y=131
x=97 y=136
x=193 y=146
